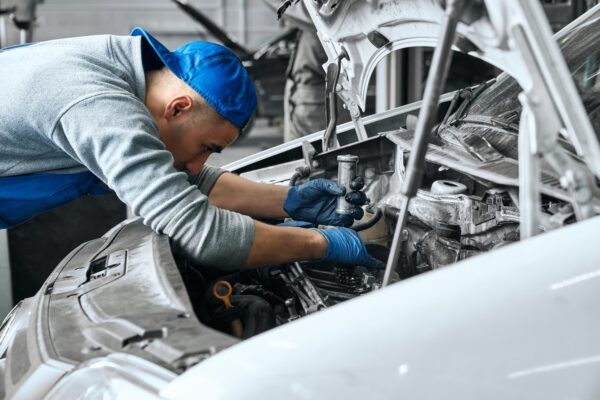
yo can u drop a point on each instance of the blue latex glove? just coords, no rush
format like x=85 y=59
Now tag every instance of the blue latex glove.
x=346 y=247
x=315 y=202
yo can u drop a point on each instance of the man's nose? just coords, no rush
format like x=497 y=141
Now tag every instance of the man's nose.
x=195 y=166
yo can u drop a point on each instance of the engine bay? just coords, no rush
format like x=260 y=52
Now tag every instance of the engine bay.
x=454 y=215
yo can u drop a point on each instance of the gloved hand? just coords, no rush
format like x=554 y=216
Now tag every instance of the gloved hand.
x=346 y=247
x=315 y=202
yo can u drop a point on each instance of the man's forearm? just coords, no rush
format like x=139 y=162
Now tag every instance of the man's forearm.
x=258 y=200
x=274 y=245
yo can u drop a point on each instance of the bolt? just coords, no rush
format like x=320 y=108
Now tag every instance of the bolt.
x=404 y=235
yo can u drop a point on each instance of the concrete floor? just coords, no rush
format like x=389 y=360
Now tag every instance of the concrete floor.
x=261 y=137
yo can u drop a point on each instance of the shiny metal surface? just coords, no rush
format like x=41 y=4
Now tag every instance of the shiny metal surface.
x=472 y=214
x=346 y=173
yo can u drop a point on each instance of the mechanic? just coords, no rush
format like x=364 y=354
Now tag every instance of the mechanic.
x=84 y=116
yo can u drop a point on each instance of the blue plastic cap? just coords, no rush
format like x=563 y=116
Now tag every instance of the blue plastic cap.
x=214 y=72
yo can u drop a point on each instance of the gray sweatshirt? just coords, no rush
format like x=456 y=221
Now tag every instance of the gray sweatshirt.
x=77 y=104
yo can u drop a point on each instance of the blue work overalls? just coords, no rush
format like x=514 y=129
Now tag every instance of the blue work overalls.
x=24 y=196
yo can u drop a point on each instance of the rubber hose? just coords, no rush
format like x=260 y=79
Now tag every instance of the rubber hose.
x=368 y=224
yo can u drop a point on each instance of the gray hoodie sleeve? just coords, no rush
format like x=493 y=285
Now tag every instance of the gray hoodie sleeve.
x=115 y=137
x=207 y=178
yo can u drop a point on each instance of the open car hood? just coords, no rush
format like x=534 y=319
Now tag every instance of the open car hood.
x=370 y=30
x=513 y=35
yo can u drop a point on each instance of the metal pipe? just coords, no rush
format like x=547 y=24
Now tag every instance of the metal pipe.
x=346 y=174
x=433 y=89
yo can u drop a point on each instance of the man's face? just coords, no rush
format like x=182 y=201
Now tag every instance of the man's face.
x=192 y=143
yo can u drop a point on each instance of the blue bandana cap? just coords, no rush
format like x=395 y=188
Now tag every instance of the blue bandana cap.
x=214 y=72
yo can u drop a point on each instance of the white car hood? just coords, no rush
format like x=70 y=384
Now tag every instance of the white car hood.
x=519 y=322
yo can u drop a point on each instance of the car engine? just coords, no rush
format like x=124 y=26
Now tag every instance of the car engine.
x=455 y=215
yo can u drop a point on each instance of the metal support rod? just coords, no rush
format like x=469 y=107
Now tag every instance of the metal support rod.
x=529 y=174
x=433 y=89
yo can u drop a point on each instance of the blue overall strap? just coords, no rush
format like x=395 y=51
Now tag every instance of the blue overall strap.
x=24 y=196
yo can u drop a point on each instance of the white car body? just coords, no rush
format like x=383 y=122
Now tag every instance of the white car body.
x=520 y=321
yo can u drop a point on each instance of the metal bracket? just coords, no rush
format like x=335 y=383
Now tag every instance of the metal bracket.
x=333 y=74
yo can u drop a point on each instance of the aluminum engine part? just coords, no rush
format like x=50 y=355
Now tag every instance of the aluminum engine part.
x=493 y=238
x=473 y=215
x=376 y=185
x=343 y=283
x=425 y=249
x=346 y=172
x=439 y=251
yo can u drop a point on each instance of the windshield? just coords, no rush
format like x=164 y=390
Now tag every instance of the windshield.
x=580 y=47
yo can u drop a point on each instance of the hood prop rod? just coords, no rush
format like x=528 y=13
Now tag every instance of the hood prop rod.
x=436 y=81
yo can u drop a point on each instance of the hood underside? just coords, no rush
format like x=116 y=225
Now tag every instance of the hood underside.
x=370 y=30
x=513 y=35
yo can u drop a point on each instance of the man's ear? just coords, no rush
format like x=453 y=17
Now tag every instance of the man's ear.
x=177 y=106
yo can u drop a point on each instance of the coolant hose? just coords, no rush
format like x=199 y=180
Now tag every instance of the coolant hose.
x=371 y=222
